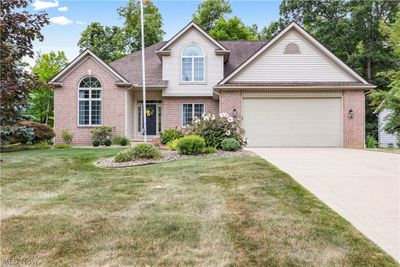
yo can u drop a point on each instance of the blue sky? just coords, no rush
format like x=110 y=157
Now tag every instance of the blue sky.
x=70 y=17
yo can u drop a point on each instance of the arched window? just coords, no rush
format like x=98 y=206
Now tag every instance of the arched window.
x=193 y=64
x=292 y=48
x=89 y=102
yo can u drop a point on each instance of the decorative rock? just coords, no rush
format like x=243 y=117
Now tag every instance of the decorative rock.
x=169 y=156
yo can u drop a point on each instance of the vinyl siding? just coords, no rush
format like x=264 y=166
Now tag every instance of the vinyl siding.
x=384 y=138
x=172 y=67
x=310 y=65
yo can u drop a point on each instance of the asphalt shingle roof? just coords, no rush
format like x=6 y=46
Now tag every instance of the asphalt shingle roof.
x=130 y=66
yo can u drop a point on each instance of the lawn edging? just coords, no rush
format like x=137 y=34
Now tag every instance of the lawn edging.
x=169 y=156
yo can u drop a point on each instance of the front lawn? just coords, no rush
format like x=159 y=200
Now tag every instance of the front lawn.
x=59 y=209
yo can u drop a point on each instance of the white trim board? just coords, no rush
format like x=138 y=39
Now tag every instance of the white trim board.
x=87 y=52
x=184 y=30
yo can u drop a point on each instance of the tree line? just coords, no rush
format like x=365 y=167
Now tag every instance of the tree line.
x=365 y=34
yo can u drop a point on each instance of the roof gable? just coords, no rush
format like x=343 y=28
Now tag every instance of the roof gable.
x=341 y=69
x=188 y=27
x=81 y=58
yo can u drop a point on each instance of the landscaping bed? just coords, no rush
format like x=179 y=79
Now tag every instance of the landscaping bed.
x=168 y=156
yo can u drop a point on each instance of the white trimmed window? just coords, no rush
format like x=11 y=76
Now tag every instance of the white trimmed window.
x=193 y=64
x=189 y=111
x=89 y=102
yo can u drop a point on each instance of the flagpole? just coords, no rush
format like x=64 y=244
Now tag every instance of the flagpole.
x=143 y=72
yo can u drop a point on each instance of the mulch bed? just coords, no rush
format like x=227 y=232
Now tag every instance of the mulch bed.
x=169 y=156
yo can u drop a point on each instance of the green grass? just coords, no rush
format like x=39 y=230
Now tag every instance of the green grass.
x=387 y=150
x=59 y=209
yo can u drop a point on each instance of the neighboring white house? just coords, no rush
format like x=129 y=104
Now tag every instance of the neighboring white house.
x=385 y=139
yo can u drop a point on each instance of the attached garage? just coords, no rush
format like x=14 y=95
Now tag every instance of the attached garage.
x=293 y=92
x=293 y=122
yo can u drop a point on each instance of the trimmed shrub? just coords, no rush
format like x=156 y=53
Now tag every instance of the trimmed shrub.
x=42 y=132
x=102 y=133
x=67 y=136
x=230 y=144
x=371 y=142
x=146 y=151
x=191 y=145
x=14 y=134
x=62 y=146
x=210 y=150
x=117 y=140
x=121 y=140
x=215 y=129
x=172 y=144
x=107 y=142
x=124 y=141
x=95 y=142
x=124 y=155
x=169 y=135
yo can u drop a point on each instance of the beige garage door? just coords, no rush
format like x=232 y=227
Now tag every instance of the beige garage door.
x=293 y=122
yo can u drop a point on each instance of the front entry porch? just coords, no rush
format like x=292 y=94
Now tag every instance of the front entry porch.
x=135 y=125
x=153 y=118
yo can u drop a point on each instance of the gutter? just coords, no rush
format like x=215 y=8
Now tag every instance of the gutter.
x=362 y=87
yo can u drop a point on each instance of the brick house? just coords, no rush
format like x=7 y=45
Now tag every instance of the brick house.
x=289 y=91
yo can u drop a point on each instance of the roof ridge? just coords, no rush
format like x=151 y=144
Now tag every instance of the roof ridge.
x=264 y=40
x=136 y=52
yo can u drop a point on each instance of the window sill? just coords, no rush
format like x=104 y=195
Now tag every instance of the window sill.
x=191 y=82
x=89 y=126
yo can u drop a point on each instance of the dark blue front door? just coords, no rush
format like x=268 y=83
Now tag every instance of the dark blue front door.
x=151 y=119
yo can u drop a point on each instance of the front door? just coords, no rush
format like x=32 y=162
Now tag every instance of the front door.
x=151 y=119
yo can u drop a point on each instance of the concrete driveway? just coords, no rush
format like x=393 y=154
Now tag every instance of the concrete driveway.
x=362 y=186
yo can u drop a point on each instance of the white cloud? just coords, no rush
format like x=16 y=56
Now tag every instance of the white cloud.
x=61 y=20
x=63 y=8
x=38 y=4
x=80 y=22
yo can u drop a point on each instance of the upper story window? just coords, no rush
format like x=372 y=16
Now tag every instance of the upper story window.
x=89 y=102
x=292 y=48
x=193 y=64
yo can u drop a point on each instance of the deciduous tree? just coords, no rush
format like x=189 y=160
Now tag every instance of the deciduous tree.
x=391 y=99
x=153 y=24
x=209 y=12
x=108 y=43
x=18 y=29
x=232 y=29
x=41 y=105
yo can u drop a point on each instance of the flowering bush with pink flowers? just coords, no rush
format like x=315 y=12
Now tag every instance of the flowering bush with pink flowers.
x=214 y=129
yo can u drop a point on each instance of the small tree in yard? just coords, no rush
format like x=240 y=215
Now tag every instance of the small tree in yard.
x=18 y=29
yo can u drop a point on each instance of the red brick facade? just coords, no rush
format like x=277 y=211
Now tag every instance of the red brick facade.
x=230 y=100
x=172 y=109
x=66 y=103
x=354 y=128
x=114 y=107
